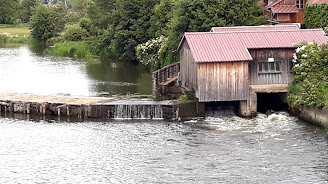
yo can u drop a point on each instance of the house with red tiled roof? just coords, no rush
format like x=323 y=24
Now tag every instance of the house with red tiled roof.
x=286 y=11
x=239 y=64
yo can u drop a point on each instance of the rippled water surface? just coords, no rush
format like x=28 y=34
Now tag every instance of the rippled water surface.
x=279 y=149
x=24 y=69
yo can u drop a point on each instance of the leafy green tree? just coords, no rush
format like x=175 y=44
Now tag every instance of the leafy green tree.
x=130 y=26
x=163 y=13
x=9 y=11
x=28 y=7
x=316 y=16
x=47 y=22
x=75 y=33
x=100 y=13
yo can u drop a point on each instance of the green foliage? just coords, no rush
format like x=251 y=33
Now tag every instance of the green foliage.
x=100 y=13
x=47 y=22
x=310 y=84
x=9 y=11
x=4 y=38
x=150 y=52
x=163 y=13
x=130 y=26
x=28 y=7
x=316 y=16
x=72 y=49
x=74 y=33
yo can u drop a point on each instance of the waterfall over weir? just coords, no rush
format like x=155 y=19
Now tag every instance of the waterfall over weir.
x=128 y=111
x=138 y=109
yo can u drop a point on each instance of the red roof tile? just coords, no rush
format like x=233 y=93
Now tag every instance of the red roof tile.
x=255 y=28
x=233 y=46
x=284 y=9
x=273 y=3
x=318 y=2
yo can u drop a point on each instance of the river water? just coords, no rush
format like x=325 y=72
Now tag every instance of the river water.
x=224 y=149
x=26 y=69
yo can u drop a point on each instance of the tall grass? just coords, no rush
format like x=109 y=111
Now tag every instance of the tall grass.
x=71 y=49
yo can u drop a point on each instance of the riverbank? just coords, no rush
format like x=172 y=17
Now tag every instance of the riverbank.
x=70 y=49
x=14 y=33
x=312 y=115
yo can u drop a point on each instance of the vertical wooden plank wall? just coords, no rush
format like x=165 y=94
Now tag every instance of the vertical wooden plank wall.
x=188 y=67
x=285 y=55
x=223 y=81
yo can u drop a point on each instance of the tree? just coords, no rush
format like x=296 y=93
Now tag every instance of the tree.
x=28 y=8
x=101 y=13
x=163 y=13
x=316 y=16
x=130 y=26
x=47 y=22
x=9 y=11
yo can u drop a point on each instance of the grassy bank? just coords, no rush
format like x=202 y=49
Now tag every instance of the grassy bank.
x=71 y=49
x=14 y=33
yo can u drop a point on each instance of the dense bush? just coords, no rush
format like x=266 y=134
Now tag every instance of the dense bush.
x=74 y=33
x=47 y=22
x=310 y=85
x=316 y=16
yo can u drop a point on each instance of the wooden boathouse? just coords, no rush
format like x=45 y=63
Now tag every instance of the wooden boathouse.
x=235 y=64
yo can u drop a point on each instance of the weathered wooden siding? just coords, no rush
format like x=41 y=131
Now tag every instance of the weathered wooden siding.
x=226 y=81
x=285 y=55
x=188 y=67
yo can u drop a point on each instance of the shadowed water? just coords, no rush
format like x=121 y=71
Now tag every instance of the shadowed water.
x=278 y=149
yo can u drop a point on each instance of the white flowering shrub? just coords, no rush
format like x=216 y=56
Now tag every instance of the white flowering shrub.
x=310 y=85
x=149 y=52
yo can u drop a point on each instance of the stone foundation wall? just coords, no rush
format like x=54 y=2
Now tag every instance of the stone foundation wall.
x=313 y=115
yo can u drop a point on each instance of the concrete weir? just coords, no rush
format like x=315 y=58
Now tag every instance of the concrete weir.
x=88 y=107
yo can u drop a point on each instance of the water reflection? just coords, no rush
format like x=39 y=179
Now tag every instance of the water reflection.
x=25 y=69
x=119 y=77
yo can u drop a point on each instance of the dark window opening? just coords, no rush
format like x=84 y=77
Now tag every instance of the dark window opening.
x=216 y=109
x=300 y=4
x=271 y=101
x=269 y=67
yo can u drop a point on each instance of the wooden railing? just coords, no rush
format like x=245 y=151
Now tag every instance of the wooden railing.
x=163 y=75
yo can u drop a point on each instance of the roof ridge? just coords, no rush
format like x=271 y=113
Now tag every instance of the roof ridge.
x=254 y=31
x=273 y=3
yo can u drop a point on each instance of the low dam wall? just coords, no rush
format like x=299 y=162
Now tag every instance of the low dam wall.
x=96 y=107
x=313 y=115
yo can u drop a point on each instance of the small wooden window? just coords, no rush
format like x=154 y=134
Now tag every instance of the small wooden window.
x=269 y=67
x=283 y=17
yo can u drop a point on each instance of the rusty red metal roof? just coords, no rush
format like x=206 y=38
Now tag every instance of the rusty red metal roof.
x=273 y=3
x=256 y=28
x=233 y=46
x=284 y=9
x=317 y=2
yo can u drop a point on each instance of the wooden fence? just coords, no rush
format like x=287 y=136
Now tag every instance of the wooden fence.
x=165 y=75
